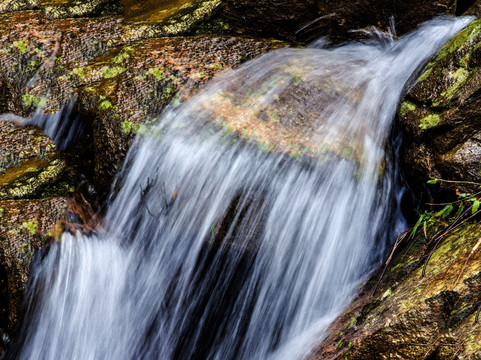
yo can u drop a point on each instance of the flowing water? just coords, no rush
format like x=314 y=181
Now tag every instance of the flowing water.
x=215 y=249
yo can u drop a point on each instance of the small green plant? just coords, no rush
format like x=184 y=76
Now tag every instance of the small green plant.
x=463 y=202
x=440 y=223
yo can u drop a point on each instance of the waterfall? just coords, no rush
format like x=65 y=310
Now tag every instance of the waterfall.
x=213 y=248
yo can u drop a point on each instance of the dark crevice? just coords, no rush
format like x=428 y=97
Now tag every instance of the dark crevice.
x=462 y=6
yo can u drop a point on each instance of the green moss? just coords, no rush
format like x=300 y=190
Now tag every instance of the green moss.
x=426 y=73
x=111 y=72
x=429 y=121
x=21 y=46
x=31 y=226
x=406 y=106
x=351 y=322
x=167 y=93
x=460 y=76
x=105 y=105
x=129 y=127
x=458 y=42
x=157 y=72
x=29 y=100
x=32 y=65
x=79 y=72
x=120 y=58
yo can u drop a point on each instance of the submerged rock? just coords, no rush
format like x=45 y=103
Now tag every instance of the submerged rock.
x=411 y=316
x=441 y=113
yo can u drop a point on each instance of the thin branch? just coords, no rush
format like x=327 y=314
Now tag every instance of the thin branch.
x=399 y=240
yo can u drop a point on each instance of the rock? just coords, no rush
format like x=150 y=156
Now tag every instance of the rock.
x=120 y=81
x=411 y=316
x=174 y=16
x=470 y=8
x=441 y=114
x=25 y=226
x=278 y=109
x=16 y=5
x=35 y=183
x=307 y=20
x=30 y=166
x=297 y=20
x=58 y=9
x=132 y=84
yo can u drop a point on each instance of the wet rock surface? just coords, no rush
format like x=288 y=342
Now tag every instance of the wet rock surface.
x=441 y=116
x=411 y=316
x=299 y=21
x=35 y=182
x=129 y=86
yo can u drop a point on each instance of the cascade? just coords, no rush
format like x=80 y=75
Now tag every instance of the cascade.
x=214 y=248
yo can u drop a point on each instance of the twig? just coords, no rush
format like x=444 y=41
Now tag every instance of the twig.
x=458 y=181
x=399 y=240
x=473 y=250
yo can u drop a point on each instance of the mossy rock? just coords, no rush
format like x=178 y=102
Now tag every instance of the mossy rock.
x=25 y=227
x=30 y=166
x=178 y=15
x=58 y=9
x=410 y=316
x=16 y=5
x=441 y=113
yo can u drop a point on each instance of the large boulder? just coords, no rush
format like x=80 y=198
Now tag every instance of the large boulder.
x=132 y=84
x=414 y=316
x=442 y=117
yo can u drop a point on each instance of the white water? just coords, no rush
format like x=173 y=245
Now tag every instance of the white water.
x=215 y=250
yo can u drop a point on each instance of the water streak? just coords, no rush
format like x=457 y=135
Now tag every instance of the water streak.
x=213 y=249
